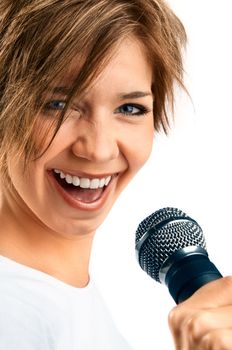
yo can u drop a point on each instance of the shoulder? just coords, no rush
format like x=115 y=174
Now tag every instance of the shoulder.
x=22 y=322
x=21 y=326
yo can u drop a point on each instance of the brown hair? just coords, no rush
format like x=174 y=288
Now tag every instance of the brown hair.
x=39 y=38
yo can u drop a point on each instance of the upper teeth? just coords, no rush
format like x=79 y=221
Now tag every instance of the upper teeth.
x=84 y=182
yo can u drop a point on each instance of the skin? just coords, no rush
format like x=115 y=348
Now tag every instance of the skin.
x=38 y=228
x=203 y=322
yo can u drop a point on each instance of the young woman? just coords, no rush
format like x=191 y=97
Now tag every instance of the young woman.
x=84 y=85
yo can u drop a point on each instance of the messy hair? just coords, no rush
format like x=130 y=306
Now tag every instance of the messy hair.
x=39 y=38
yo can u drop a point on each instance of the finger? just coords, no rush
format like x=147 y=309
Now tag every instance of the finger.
x=201 y=323
x=212 y=295
x=209 y=297
x=217 y=339
x=176 y=321
x=191 y=326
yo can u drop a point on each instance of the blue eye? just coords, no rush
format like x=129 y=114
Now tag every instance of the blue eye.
x=132 y=109
x=55 y=105
x=126 y=109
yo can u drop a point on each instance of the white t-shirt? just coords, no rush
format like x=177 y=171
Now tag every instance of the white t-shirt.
x=40 y=312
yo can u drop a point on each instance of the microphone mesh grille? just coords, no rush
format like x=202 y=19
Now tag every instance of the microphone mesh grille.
x=167 y=230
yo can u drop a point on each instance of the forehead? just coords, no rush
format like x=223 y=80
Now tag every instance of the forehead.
x=127 y=60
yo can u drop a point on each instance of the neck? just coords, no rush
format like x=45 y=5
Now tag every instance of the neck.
x=27 y=242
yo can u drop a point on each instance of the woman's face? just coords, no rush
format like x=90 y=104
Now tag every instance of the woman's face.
x=105 y=140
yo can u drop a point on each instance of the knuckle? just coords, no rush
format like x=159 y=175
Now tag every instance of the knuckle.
x=174 y=318
x=228 y=282
x=197 y=324
x=216 y=339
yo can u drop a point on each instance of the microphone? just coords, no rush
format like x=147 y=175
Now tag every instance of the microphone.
x=171 y=248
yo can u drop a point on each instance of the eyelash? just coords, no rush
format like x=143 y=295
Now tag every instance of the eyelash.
x=142 y=110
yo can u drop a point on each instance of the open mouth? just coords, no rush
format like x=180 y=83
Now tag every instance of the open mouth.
x=81 y=189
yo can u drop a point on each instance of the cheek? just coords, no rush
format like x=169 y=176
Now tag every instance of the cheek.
x=136 y=154
x=28 y=182
x=43 y=133
x=139 y=150
x=141 y=155
x=23 y=182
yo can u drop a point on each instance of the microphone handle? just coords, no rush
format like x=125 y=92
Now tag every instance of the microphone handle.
x=188 y=274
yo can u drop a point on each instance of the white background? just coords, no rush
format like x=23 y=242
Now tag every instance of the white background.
x=190 y=169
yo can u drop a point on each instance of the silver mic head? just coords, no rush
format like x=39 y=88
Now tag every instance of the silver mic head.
x=163 y=233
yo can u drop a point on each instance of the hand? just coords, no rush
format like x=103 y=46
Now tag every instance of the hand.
x=204 y=321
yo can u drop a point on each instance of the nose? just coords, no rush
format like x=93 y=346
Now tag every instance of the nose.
x=96 y=141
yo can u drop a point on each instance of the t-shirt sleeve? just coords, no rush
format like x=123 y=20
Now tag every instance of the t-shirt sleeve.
x=22 y=327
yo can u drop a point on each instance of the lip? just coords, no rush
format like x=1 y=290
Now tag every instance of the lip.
x=85 y=175
x=74 y=203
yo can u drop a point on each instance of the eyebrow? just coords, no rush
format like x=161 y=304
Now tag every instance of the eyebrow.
x=134 y=94
x=60 y=90
x=122 y=96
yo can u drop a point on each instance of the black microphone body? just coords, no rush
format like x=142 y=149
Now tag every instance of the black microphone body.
x=171 y=248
